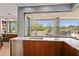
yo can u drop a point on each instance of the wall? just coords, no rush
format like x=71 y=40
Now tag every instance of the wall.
x=7 y=9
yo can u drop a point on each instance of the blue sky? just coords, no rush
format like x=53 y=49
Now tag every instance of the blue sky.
x=45 y=22
x=69 y=22
x=62 y=22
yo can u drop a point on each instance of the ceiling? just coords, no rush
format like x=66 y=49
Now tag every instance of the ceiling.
x=40 y=8
x=11 y=8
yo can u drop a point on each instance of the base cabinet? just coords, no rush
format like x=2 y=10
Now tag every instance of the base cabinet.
x=76 y=52
x=69 y=50
x=59 y=48
x=42 y=48
x=48 y=48
x=65 y=49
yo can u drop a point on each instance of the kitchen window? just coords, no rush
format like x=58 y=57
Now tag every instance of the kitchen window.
x=39 y=27
x=12 y=26
x=69 y=28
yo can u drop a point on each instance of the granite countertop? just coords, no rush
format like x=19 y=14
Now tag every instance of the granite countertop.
x=71 y=41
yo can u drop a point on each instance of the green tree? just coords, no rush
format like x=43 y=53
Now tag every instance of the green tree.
x=34 y=25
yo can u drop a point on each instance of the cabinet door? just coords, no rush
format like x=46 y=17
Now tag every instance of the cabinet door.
x=76 y=52
x=44 y=48
x=52 y=48
x=36 y=48
x=65 y=49
x=27 y=48
x=59 y=48
x=71 y=51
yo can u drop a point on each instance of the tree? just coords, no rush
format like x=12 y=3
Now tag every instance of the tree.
x=42 y=27
x=34 y=25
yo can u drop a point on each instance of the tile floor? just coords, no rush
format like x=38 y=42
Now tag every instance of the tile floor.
x=5 y=50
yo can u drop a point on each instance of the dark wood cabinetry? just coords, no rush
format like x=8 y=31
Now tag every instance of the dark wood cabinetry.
x=28 y=49
x=76 y=53
x=59 y=48
x=42 y=48
x=48 y=48
x=7 y=37
x=69 y=50
x=65 y=49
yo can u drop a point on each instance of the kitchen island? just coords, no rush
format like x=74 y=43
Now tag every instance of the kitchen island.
x=26 y=46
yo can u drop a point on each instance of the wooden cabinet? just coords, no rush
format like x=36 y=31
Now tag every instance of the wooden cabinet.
x=69 y=50
x=65 y=49
x=33 y=48
x=59 y=48
x=28 y=50
x=7 y=37
x=48 y=48
x=42 y=48
x=52 y=48
x=76 y=52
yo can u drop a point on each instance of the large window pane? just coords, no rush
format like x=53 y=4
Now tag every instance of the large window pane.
x=69 y=28
x=12 y=27
x=41 y=27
